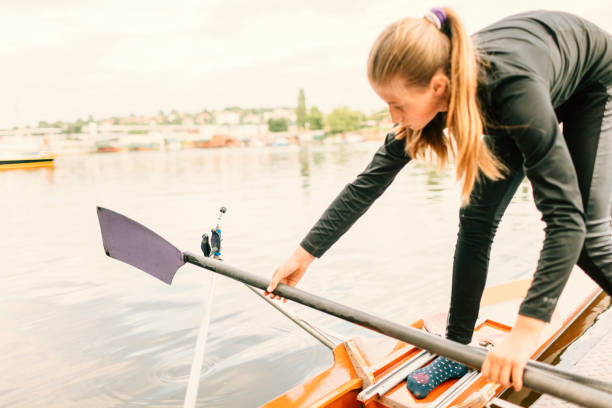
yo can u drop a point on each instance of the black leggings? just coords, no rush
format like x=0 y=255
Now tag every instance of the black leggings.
x=587 y=130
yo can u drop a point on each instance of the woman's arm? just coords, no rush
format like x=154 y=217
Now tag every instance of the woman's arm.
x=357 y=196
x=527 y=110
x=350 y=204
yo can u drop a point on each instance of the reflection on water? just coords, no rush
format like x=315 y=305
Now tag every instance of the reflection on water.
x=80 y=329
x=304 y=159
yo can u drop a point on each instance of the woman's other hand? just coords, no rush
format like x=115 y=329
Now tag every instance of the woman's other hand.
x=290 y=272
x=506 y=362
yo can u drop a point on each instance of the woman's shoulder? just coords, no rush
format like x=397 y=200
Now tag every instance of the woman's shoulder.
x=499 y=82
x=514 y=99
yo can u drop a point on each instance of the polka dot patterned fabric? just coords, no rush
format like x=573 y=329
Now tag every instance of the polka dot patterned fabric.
x=422 y=381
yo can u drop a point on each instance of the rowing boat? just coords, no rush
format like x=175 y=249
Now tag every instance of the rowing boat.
x=372 y=373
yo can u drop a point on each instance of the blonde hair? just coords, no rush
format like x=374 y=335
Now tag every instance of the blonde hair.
x=415 y=50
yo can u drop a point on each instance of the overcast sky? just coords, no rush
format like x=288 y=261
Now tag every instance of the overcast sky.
x=65 y=59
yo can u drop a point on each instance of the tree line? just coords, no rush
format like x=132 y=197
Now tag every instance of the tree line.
x=340 y=120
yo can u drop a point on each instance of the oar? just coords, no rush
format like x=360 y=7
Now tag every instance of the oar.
x=128 y=241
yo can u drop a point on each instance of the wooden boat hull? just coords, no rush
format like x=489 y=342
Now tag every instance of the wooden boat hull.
x=359 y=363
x=27 y=163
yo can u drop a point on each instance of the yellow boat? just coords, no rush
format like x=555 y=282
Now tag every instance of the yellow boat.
x=27 y=162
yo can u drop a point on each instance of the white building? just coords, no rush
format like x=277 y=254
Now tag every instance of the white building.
x=281 y=113
x=227 y=118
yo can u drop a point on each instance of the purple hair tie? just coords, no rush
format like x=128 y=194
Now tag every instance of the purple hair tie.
x=438 y=17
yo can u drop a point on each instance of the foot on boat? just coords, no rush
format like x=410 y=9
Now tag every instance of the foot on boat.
x=420 y=382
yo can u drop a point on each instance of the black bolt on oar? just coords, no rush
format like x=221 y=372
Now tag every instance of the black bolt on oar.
x=135 y=244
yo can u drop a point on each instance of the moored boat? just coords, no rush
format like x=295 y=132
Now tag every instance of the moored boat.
x=27 y=162
x=108 y=146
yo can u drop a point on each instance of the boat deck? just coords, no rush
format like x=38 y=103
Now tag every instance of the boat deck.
x=596 y=363
x=371 y=373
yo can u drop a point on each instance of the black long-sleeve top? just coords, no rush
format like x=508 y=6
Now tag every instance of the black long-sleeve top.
x=535 y=62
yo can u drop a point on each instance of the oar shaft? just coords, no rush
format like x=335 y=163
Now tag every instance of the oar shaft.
x=534 y=378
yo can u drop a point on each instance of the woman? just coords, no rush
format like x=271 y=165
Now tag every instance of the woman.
x=514 y=82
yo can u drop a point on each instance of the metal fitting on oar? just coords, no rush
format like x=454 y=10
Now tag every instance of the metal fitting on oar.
x=212 y=245
x=215 y=238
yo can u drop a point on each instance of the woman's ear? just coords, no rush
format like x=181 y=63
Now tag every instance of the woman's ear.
x=439 y=84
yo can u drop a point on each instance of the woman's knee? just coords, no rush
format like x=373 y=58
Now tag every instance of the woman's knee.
x=477 y=225
x=596 y=256
x=598 y=239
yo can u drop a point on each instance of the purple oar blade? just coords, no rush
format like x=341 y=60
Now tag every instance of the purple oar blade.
x=128 y=241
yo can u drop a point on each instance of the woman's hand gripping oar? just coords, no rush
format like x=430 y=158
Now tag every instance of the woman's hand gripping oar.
x=290 y=272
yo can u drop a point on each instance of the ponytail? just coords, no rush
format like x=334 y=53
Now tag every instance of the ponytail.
x=464 y=119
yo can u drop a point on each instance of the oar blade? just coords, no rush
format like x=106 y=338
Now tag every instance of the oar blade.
x=130 y=242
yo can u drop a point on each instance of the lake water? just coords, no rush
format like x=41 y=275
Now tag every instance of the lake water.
x=82 y=330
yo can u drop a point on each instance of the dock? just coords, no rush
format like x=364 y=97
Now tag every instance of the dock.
x=595 y=363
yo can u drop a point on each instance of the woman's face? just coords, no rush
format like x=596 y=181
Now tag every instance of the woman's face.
x=414 y=106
